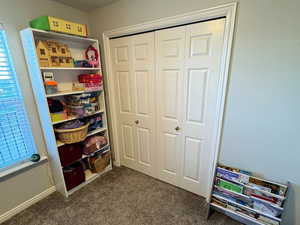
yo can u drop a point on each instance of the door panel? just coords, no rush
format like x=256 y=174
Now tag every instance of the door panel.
x=124 y=91
x=192 y=158
x=196 y=84
x=122 y=70
x=133 y=71
x=188 y=60
x=142 y=91
x=204 y=43
x=127 y=136
x=170 y=93
x=170 y=44
x=170 y=159
x=122 y=55
x=143 y=76
x=143 y=138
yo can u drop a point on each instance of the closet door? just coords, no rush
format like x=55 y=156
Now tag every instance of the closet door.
x=170 y=54
x=133 y=69
x=204 y=42
x=187 y=81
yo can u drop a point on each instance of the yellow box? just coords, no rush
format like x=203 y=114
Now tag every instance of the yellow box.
x=68 y=27
x=56 y=24
x=80 y=29
x=59 y=116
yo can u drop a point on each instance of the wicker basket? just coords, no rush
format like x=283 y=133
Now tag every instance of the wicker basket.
x=70 y=136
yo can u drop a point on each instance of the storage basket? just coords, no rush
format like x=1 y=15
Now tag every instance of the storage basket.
x=70 y=136
x=98 y=164
x=92 y=144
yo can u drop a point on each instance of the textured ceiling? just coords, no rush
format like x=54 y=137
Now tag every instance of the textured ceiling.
x=86 y=5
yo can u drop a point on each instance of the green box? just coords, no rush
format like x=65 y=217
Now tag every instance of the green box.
x=41 y=23
x=230 y=186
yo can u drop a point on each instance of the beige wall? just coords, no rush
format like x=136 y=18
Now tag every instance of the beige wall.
x=261 y=125
x=15 y=15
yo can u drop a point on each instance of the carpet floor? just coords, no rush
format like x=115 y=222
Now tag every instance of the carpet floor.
x=121 y=197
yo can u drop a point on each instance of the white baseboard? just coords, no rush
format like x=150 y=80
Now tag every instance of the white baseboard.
x=116 y=163
x=26 y=204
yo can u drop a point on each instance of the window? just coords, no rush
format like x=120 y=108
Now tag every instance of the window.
x=16 y=140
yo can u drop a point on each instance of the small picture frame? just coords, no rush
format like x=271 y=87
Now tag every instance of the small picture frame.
x=48 y=76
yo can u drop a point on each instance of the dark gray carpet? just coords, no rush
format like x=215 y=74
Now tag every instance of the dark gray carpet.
x=121 y=197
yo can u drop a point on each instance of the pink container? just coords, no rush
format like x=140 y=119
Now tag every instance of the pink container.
x=92 y=86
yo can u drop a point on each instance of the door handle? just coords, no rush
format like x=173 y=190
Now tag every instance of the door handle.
x=177 y=128
x=137 y=122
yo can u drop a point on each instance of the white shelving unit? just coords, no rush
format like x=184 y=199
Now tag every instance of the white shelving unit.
x=64 y=76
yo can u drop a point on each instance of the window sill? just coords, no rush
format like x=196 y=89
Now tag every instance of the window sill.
x=20 y=168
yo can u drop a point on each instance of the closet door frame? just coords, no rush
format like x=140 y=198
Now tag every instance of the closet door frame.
x=228 y=11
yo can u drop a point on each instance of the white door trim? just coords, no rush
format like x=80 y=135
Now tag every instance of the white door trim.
x=227 y=10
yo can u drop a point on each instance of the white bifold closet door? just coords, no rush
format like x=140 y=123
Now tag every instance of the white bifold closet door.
x=188 y=75
x=133 y=68
x=167 y=87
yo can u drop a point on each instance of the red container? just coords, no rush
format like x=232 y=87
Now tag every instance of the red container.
x=70 y=153
x=74 y=176
x=90 y=78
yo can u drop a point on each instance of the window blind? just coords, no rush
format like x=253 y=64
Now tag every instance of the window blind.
x=16 y=140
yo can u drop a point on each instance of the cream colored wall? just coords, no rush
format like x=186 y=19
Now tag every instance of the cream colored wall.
x=261 y=115
x=15 y=15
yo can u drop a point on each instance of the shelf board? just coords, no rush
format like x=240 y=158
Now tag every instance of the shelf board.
x=253 y=188
x=246 y=207
x=62 y=36
x=267 y=202
x=74 y=117
x=99 y=130
x=99 y=150
x=237 y=214
x=89 y=179
x=69 y=68
x=232 y=192
x=62 y=93
x=282 y=185
x=250 y=197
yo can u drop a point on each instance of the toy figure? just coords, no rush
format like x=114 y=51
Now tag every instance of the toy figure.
x=92 y=55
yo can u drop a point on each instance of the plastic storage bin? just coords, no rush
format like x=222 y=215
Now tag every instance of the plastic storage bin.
x=90 y=78
x=51 y=87
x=70 y=153
x=74 y=176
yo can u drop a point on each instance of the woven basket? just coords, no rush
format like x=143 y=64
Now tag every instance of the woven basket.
x=70 y=136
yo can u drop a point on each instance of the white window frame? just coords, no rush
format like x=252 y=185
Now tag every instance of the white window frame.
x=19 y=165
